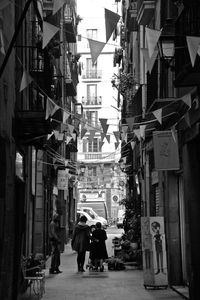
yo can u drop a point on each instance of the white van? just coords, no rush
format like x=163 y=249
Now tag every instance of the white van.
x=93 y=215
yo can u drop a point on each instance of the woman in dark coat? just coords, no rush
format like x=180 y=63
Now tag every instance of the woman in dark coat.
x=99 y=251
x=80 y=241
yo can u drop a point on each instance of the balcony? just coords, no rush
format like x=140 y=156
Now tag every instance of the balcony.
x=188 y=24
x=146 y=9
x=132 y=17
x=70 y=25
x=90 y=156
x=48 y=5
x=71 y=77
x=30 y=123
x=92 y=74
x=92 y=100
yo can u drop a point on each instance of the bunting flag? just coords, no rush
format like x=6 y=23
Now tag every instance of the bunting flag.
x=193 y=43
x=111 y=20
x=149 y=61
x=100 y=144
x=40 y=8
x=63 y=127
x=49 y=31
x=95 y=48
x=134 y=37
x=158 y=115
x=124 y=128
x=49 y=135
x=58 y=4
x=26 y=80
x=116 y=145
x=103 y=135
x=65 y=116
x=105 y=128
x=108 y=138
x=142 y=131
x=56 y=134
x=103 y=122
x=187 y=99
x=126 y=138
x=137 y=133
x=51 y=108
x=116 y=134
x=2 y=48
x=130 y=122
x=83 y=132
x=71 y=128
x=133 y=143
x=152 y=37
x=74 y=136
x=68 y=139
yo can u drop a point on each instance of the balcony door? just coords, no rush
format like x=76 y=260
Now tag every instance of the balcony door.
x=91 y=93
x=91 y=69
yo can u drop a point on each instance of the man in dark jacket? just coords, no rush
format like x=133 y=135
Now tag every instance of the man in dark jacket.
x=81 y=241
x=55 y=245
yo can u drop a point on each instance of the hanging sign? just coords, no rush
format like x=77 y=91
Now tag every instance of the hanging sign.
x=165 y=150
x=62 y=180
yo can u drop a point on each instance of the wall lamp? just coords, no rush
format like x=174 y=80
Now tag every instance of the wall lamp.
x=167 y=49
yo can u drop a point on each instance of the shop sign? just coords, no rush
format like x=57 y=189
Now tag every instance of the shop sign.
x=166 y=150
x=62 y=180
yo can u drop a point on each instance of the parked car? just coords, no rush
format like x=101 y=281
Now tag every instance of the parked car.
x=120 y=218
x=90 y=222
x=99 y=206
x=94 y=215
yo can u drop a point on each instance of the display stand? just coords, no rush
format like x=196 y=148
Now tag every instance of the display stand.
x=154 y=252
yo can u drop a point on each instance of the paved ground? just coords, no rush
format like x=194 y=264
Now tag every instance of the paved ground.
x=109 y=285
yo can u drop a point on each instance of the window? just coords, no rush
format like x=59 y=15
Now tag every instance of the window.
x=91 y=69
x=92 y=117
x=91 y=93
x=92 y=171
x=91 y=34
x=93 y=146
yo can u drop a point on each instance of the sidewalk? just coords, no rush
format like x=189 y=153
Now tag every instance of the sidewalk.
x=109 y=285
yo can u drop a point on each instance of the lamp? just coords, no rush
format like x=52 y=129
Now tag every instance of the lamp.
x=167 y=49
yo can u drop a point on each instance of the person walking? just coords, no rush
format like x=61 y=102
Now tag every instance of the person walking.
x=55 y=245
x=81 y=241
x=98 y=250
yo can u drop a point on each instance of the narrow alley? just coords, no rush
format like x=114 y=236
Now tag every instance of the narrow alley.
x=110 y=285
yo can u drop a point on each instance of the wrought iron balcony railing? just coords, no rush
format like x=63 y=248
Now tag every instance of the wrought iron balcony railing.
x=92 y=100
x=93 y=74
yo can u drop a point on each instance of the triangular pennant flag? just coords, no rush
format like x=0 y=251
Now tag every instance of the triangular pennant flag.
x=56 y=134
x=116 y=145
x=2 y=48
x=65 y=116
x=187 y=119
x=95 y=48
x=133 y=143
x=68 y=139
x=49 y=31
x=142 y=131
x=57 y=4
x=102 y=136
x=51 y=108
x=152 y=37
x=130 y=122
x=71 y=128
x=108 y=138
x=63 y=127
x=40 y=8
x=103 y=121
x=100 y=144
x=49 y=135
x=193 y=43
x=126 y=137
x=134 y=37
x=83 y=132
x=74 y=136
x=111 y=20
x=187 y=99
x=105 y=128
x=137 y=133
x=149 y=61
x=124 y=128
x=158 y=115
x=116 y=134
x=26 y=80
